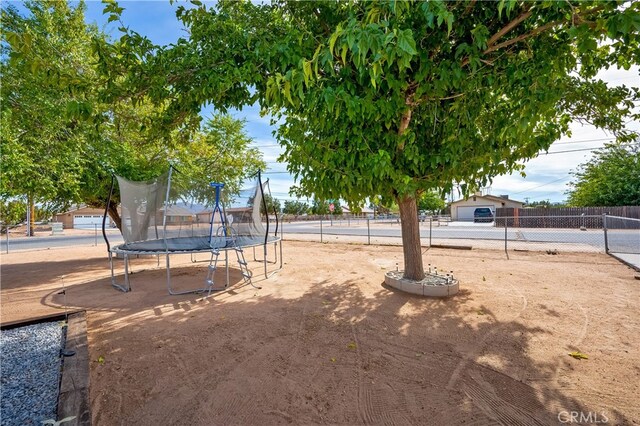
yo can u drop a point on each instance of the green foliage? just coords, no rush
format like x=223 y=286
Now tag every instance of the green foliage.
x=63 y=134
x=395 y=98
x=295 y=207
x=322 y=207
x=545 y=203
x=220 y=152
x=42 y=146
x=13 y=212
x=273 y=204
x=431 y=201
x=610 y=178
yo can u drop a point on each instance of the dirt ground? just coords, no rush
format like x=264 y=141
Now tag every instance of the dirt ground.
x=324 y=341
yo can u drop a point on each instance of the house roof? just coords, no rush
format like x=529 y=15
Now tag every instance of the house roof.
x=81 y=207
x=178 y=211
x=490 y=197
x=363 y=210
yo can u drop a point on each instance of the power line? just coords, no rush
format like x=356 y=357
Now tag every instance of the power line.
x=544 y=184
x=568 y=150
x=584 y=141
x=264 y=146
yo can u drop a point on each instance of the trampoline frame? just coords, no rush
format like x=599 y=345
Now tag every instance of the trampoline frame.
x=230 y=244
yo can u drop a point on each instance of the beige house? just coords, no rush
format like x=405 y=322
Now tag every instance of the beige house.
x=364 y=212
x=463 y=210
x=82 y=217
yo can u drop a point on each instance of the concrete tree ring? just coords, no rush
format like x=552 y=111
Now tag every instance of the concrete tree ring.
x=431 y=286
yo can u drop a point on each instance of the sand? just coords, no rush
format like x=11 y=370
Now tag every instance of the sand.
x=325 y=342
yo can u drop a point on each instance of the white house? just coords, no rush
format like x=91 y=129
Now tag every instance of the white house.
x=462 y=210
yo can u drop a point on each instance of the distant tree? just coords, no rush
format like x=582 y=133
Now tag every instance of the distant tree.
x=546 y=204
x=272 y=204
x=610 y=178
x=295 y=207
x=541 y=203
x=12 y=212
x=319 y=207
x=431 y=201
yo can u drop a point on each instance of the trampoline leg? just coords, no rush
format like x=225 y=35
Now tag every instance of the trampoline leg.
x=169 y=275
x=174 y=293
x=254 y=254
x=265 y=262
x=113 y=277
x=127 y=286
x=126 y=273
x=114 y=284
x=226 y=266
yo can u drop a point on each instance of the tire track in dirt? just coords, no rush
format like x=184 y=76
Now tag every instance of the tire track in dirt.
x=585 y=325
x=484 y=396
x=455 y=376
x=362 y=410
x=298 y=339
x=380 y=404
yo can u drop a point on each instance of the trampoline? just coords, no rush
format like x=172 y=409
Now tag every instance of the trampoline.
x=173 y=214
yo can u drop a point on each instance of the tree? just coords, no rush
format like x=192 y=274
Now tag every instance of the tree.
x=398 y=98
x=319 y=207
x=61 y=140
x=295 y=207
x=272 y=203
x=610 y=178
x=40 y=142
x=431 y=201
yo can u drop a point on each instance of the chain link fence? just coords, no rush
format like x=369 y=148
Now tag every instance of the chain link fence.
x=577 y=233
x=622 y=239
x=616 y=235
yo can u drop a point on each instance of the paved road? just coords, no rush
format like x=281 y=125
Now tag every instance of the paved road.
x=622 y=241
x=44 y=242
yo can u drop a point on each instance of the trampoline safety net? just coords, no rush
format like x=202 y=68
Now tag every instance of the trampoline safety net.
x=173 y=214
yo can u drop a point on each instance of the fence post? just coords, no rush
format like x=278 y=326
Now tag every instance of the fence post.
x=7 y=230
x=505 y=237
x=320 y=228
x=604 y=228
x=368 y=233
x=430 y=228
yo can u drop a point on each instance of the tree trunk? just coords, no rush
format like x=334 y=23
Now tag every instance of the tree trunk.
x=113 y=213
x=411 y=247
x=32 y=217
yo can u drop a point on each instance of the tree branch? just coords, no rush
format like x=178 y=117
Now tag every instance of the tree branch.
x=511 y=25
x=491 y=47
x=469 y=7
x=530 y=34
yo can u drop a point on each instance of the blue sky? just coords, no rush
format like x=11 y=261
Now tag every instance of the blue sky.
x=547 y=176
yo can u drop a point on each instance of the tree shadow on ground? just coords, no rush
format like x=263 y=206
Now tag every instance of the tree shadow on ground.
x=337 y=351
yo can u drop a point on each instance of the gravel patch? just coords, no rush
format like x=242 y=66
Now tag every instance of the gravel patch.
x=30 y=373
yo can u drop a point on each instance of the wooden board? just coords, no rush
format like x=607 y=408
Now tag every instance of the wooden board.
x=73 y=400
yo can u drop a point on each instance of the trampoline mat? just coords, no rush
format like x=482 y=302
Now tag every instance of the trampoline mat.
x=191 y=244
